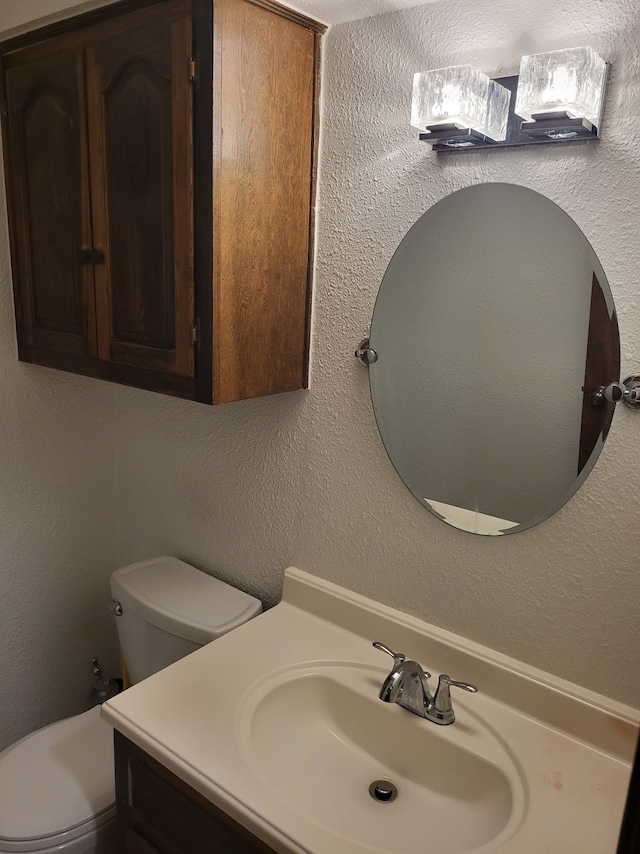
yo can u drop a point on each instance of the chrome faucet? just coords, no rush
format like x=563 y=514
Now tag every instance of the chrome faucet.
x=407 y=684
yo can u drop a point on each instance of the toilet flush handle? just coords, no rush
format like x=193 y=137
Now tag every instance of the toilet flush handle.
x=116 y=607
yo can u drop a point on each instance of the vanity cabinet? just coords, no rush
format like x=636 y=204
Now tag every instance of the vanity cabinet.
x=137 y=256
x=157 y=813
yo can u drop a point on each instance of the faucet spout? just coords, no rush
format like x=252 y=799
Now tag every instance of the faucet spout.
x=406 y=684
x=391 y=687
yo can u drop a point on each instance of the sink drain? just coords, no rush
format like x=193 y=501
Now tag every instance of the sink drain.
x=383 y=790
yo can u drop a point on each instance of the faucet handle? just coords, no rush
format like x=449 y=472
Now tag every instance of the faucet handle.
x=466 y=686
x=398 y=657
x=442 y=708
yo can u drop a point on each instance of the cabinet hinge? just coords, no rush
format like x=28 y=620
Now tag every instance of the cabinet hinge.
x=194 y=333
x=193 y=69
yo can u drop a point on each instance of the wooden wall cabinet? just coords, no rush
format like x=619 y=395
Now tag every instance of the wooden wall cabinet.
x=157 y=813
x=160 y=164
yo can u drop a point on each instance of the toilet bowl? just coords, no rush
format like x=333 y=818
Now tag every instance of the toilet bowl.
x=56 y=788
x=57 y=784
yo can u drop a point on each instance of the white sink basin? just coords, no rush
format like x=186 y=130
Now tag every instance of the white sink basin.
x=320 y=736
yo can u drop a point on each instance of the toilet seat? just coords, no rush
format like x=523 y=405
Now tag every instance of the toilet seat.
x=57 y=786
x=76 y=840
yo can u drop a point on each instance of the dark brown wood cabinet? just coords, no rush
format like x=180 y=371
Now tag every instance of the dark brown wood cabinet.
x=158 y=812
x=160 y=164
x=629 y=841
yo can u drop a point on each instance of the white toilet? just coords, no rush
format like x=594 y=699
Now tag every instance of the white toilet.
x=56 y=785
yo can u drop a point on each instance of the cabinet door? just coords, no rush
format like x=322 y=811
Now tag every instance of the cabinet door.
x=49 y=209
x=140 y=139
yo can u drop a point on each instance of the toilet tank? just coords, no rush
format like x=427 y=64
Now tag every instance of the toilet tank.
x=168 y=608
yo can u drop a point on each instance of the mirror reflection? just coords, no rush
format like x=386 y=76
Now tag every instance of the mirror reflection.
x=493 y=325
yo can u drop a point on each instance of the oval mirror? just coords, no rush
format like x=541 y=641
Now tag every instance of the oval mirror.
x=493 y=326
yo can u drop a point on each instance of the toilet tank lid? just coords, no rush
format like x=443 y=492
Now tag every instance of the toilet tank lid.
x=182 y=600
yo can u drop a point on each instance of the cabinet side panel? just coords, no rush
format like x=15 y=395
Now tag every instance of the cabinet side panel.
x=263 y=128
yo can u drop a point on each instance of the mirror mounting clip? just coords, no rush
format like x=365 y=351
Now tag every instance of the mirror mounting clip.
x=365 y=354
x=627 y=392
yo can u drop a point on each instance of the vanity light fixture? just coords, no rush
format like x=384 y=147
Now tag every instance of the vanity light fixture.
x=559 y=95
x=460 y=106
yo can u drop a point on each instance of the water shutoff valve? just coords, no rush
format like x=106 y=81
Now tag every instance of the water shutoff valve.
x=103 y=688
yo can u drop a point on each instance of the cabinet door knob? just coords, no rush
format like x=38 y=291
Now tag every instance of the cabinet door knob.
x=90 y=256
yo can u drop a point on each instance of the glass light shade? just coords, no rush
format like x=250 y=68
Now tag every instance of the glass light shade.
x=497 y=111
x=460 y=96
x=570 y=81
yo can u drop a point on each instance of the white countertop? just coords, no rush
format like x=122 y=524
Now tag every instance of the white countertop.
x=575 y=747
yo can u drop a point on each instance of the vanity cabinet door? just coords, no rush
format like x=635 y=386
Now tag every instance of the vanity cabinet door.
x=139 y=117
x=137 y=844
x=49 y=210
x=158 y=812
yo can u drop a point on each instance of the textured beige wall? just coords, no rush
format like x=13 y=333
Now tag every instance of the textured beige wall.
x=566 y=595
x=57 y=515
x=247 y=488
